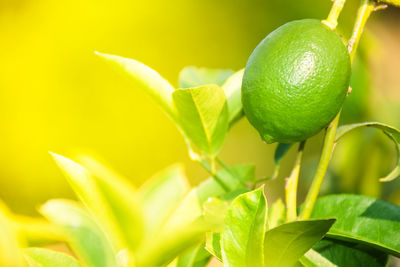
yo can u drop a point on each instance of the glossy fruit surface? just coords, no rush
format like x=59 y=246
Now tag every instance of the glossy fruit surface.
x=295 y=81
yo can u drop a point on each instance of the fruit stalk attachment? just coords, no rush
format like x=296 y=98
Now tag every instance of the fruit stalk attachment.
x=363 y=13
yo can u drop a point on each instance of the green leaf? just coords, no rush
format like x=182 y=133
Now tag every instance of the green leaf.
x=185 y=227
x=213 y=244
x=193 y=76
x=214 y=210
x=160 y=196
x=276 y=214
x=39 y=257
x=203 y=116
x=280 y=152
x=121 y=198
x=147 y=79
x=233 y=91
x=328 y=253
x=210 y=188
x=196 y=256
x=314 y=259
x=37 y=231
x=362 y=219
x=10 y=253
x=391 y=2
x=285 y=244
x=85 y=186
x=85 y=236
x=392 y=132
x=245 y=224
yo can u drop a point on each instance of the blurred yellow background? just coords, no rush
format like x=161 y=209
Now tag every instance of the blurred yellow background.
x=56 y=95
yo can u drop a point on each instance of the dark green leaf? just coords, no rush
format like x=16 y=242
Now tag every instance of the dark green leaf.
x=285 y=244
x=39 y=257
x=392 y=132
x=85 y=236
x=362 y=219
x=328 y=253
x=245 y=224
x=193 y=76
x=203 y=116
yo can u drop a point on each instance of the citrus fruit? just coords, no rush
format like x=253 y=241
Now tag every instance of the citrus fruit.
x=295 y=81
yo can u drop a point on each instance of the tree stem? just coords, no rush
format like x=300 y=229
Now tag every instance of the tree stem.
x=327 y=150
x=364 y=11
x=230 y=171
x=291 y=186
x=211 y=170
x=331 y=20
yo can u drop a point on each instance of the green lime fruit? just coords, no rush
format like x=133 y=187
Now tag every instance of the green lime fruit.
x=295 y=81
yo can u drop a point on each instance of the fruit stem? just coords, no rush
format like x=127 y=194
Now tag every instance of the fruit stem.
x=212 y=171
x=291 y=186
x=230 y=171
x=332 y=19
x=363 y=13
x=327 y=150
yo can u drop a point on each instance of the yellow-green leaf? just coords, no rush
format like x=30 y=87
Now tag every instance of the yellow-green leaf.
x=185 y=228
x=276 y=214
x=203 y=116
x=242 y=239
x=192 y=76
x=10 y=252
x=147 y=79
x=39 y=257
x=160 y=196
x=85 y=186
x=233 y=91
x=37 y=231
x=285 y=244
x=85 y=236
x=121 y=197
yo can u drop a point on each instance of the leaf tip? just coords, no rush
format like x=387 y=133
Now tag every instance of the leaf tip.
x=70 y=168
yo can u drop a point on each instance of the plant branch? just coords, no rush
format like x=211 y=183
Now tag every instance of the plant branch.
x=331 y=20
x=291 y=186
x=230 y=171
x=211 y=170
x=363 y=13
x=327 y=150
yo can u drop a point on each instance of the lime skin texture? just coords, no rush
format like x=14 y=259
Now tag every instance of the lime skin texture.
x=296 y=81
